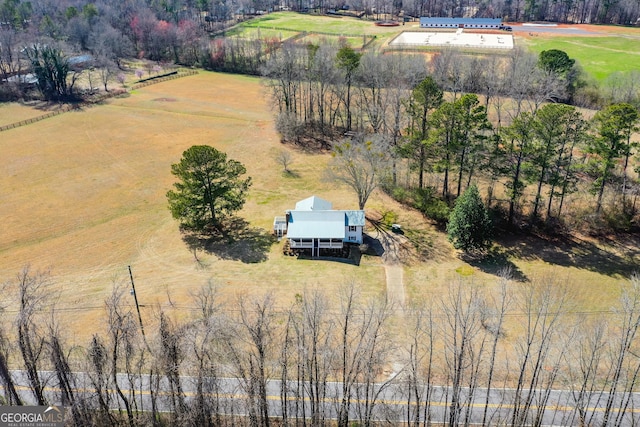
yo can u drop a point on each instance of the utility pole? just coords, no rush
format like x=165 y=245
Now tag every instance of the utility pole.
x=135 y=297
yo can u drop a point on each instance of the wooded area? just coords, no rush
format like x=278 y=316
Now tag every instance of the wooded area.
x=530 y=152
x=453 y=119
x=526 y=336
x=180 y=31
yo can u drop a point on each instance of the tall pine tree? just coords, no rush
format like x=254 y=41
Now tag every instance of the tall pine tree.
x=469 y=227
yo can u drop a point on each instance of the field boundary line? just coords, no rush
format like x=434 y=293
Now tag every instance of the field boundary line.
x=112 y=94
x=323 y=33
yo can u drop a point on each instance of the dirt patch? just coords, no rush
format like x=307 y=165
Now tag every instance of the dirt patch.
x=165 y=100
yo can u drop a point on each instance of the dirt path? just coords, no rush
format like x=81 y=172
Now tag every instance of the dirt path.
x=391 y=248
x=395 y=285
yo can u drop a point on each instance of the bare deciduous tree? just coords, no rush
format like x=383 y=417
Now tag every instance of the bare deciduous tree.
x=464 y=341
x=11 y=395
x=538 y=350
x=362 y=165
x=33 y=293
x=624 y=364
x=204 y=337
x=313 y=349
x=582 y=376
x=492 y=321
x=170 y=356
x=98 y=373
x=420 y=365
x=80 y=411
x=122 y=339
x=362 y=354
x=285 y=159
x=251 y=353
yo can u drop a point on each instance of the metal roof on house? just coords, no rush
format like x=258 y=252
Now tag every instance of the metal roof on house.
x=75 y=60
x=316 y=224
x=354 y=218
x=313 y=203
x=475 y=21
x=30 y=79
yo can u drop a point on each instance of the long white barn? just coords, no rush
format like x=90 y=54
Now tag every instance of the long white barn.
x=314 y=225
x=477 y=23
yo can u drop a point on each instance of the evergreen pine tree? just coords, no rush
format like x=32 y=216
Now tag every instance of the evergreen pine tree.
x=469 y=226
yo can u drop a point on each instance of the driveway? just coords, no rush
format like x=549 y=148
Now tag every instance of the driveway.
x=392 y=247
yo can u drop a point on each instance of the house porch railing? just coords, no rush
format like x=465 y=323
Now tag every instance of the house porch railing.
x=319 y=243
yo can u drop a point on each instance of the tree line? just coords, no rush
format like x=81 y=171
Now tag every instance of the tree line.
x=179 y=31
x=458 y=120
x=334 y=358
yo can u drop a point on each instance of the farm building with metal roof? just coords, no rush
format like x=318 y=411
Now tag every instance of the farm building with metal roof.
x=477 y=23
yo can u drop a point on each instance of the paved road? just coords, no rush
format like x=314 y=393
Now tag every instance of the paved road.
x=390 y=404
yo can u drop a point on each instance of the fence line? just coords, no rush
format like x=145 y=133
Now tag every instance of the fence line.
x=324 y=33
x=97 y=99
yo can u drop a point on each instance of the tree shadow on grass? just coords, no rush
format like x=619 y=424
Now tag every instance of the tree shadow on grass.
x=496 y=262
x=611 y=257
x=236 y=240
x=290 y=173
x=393 y=247
x=397 y=244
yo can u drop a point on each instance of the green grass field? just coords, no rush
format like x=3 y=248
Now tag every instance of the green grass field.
x=261 y=33
x=598 y=56
x=353 y=42
x=608 y=50
x=337 y=26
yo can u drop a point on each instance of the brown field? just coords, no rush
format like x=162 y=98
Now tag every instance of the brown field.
x=83 y=194
x=13 y=112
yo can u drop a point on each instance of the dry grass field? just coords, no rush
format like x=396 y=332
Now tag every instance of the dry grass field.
x=83 y=194
x=13 y=112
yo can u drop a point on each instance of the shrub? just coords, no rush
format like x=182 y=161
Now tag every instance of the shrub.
x=289 y=127
x=431 y=206
x=425 y=200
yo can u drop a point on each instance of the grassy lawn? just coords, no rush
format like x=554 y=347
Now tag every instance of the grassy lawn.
x=610 y=49
x=599 y=56
x=354 y=42
x=13 y=112
x=89 y=200
x=337 y=26
x=259 y=33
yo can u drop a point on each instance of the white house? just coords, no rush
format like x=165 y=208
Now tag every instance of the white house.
x=314 y=225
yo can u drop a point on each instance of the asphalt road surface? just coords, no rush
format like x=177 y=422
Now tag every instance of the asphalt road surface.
x=390 y=403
